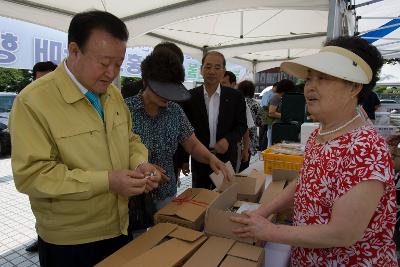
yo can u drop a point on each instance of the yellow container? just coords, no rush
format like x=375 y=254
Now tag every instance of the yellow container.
x=280 y=161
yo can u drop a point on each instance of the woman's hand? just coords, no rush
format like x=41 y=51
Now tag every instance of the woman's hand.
x=216 y=165
x=254 y=226
x=151 y=174
x=164 y=177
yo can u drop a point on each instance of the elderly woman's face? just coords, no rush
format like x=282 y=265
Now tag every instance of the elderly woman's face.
x=327 y=96
x=153 y=99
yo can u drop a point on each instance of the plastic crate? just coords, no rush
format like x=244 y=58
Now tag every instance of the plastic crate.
x=280 y=161
x=387 y=130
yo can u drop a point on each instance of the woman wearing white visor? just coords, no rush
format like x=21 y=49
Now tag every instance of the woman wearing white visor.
x=344 y=201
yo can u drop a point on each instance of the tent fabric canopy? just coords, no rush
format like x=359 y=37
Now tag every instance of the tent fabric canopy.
x=379 y=23
x=246 y=32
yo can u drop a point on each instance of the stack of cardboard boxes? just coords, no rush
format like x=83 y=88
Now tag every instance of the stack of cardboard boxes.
x=188 y=209
x=178 y=240
x=164 y=244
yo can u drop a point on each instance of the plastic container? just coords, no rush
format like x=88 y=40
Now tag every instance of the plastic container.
x=280 y=161
x=386 y=130
x=382 y=118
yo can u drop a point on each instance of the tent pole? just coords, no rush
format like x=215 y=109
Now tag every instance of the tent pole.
x=332 y=17
x=254 y=70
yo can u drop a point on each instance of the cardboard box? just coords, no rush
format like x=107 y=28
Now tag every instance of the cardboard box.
x=273 y=189
x=284 y=175
x=217 y=221
x=250 y=187
x=188 y=209
x=221 y=251
x=145 y=251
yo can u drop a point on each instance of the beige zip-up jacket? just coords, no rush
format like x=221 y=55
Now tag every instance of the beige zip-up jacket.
x=61 y=154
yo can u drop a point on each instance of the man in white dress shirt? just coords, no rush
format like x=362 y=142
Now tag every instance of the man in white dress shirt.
x=218 y=116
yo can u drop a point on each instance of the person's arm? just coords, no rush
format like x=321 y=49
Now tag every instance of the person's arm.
x=272 y=112
x=181 y=154
x=350 y=217
x=200 y=153
x=138 y=157
x=246 y=146
x=239 y=126
x=137 y=150
x=258 y=115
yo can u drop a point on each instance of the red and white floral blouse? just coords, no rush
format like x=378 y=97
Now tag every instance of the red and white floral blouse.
x=329 y=171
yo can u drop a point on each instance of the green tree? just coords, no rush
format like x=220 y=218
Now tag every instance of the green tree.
x=125 y=79
x=14 y=80
x=380 y=89
x=392 y=61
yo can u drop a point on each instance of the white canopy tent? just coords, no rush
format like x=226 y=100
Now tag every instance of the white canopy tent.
x=390 y=75
x=257 y=34
x=379 y=22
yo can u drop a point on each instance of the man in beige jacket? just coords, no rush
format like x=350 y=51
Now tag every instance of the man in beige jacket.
x=74 y=153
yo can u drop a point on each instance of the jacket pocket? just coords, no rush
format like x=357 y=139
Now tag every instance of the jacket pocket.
x=82 y=147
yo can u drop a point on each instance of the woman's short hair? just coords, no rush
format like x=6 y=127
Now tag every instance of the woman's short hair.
x=173 y=47
x=247 y=88
x=162 y=65
x=369 y=53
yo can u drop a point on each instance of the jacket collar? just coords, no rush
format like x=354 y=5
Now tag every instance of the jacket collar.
x=67 y=87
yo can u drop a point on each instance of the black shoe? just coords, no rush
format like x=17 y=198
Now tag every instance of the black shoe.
x=33 y=247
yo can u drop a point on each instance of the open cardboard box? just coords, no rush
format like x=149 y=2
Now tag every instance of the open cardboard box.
x=273 y=189
x=149 y=250
x=284 y=175
x=225 y=252
x=250 y=187
x=217 y=221
x=279 y=180
x=188 y=209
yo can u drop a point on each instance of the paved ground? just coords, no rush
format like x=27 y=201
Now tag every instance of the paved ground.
x=17 y=223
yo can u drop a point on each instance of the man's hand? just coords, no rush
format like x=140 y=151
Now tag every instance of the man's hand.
x=221 y=146
x=151 y=174
x=126 y=183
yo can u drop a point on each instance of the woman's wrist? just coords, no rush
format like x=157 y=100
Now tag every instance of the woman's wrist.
x=211 y=158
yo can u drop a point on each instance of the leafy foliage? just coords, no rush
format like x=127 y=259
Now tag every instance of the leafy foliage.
x=125 y=80
x=379 y=89
x=392 y=61
x=14 y=80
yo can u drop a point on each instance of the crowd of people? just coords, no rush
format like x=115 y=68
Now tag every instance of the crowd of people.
x=97 y=164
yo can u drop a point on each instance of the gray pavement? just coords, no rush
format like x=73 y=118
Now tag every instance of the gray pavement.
x=17 y=223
